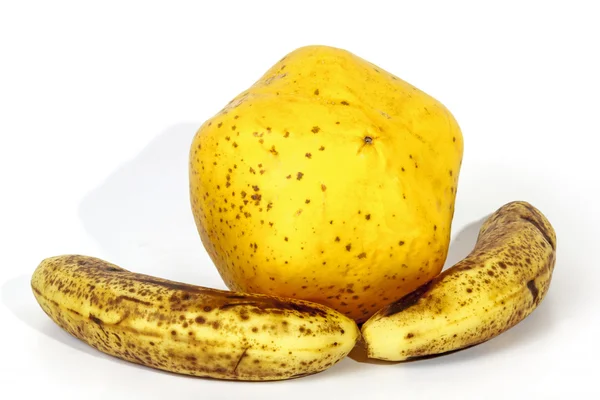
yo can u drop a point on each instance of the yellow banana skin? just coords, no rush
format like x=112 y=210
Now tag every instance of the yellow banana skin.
x=189 y=329
x=501 y=282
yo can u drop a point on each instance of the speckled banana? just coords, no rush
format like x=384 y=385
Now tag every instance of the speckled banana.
x=190 y=329
x=501 y=282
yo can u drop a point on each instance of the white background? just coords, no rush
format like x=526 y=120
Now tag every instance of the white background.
x=98 y=105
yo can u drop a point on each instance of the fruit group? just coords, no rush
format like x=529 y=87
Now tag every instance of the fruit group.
x=501 y=282
x=329 y=180
x=189 y=329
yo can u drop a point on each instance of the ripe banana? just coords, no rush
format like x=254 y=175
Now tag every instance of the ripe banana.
x=190 y=329
x=501 y=282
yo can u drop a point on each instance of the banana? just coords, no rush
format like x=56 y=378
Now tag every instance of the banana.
x=190 y=329
x=496 y=286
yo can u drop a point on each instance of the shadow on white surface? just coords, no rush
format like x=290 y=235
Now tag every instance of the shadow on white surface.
x=141 y=216
x=463 y=243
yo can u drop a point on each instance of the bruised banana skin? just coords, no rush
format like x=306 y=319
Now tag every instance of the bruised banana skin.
x=501 y=282
x=190 y=329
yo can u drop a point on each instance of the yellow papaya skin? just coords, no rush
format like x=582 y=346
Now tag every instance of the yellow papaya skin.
x=329 y=180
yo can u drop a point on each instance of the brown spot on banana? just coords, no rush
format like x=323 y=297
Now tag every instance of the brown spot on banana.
x=533 y=289
x=496 y=286
x=407 y=301
x=189 y=329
